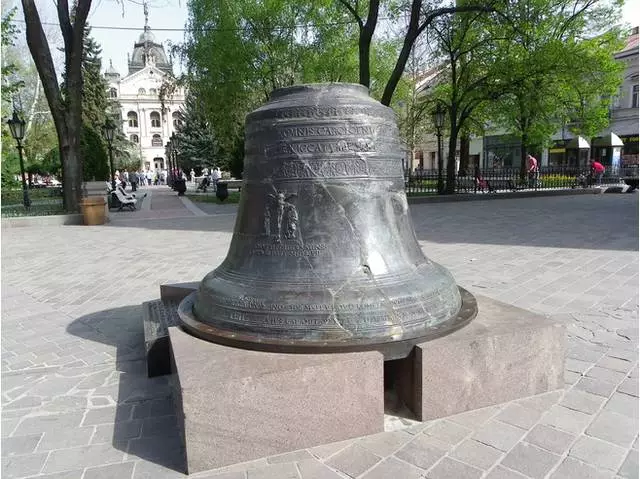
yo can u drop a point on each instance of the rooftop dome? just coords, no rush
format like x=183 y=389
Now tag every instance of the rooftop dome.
x=111 y=71
x=147 y=36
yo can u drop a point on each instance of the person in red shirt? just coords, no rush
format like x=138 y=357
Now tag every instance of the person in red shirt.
x=597 y=170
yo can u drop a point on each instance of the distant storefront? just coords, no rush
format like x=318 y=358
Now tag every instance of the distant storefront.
x=629 y=150
x=501 y=151
x=570 y=153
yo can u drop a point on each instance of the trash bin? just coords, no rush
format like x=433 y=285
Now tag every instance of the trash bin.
x=93 y=211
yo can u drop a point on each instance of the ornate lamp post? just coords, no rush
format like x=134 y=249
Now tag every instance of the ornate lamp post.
x=167 y=154
x=17 y=127
x=109 y=131
x=438 y=121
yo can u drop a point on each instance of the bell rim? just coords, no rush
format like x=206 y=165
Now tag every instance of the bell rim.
x=390 y=348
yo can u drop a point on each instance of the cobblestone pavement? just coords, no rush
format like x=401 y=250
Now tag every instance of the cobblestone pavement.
x=76 y=402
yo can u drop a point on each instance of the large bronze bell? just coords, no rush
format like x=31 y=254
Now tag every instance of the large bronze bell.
x=324 y=257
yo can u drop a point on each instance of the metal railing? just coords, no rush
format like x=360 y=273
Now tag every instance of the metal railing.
x=496 y=180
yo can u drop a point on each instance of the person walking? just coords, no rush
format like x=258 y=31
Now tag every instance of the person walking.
x=532 y=171
x=133 y=179
x=597 y=171
x=192 y=174
x=216 y=174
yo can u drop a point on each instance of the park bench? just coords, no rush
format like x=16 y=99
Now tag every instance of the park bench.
x=120 y=201
x=495 y=184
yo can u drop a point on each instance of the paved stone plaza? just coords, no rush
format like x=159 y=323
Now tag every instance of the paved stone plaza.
x=76 y=402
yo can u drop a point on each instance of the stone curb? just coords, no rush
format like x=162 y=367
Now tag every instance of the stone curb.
x=501 y=196
x=53 y=220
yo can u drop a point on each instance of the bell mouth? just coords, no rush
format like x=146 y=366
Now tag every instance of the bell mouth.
x=311 y=88
x=392 y=347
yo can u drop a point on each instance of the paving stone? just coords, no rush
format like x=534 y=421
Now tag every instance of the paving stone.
x=615 y=364
x=123 y=470
x=275 y=471
x=623 y=404
x=392 y=467
x=530 y=460
x=21 y=466
x=604 y=374
x=154 y=407
x=629 y=386
x=630 y=467
x=577 y=365
x=295 y=456
x=225 y=475
x=18 y=445
x=596 y=386
x=76 y=474
x=48 y=423
x=474 y=419
x=500 y=472
x=449 y=468
x=353 y=460
x=571 y=378
x=447 y=432
x=313 y=469
x=385 y=443
x=541 y=402
x=420 y=452
x=65 y=438
x=572 y=469
x=159 y=426
x=499 y=435
x=106 y=415
x=476 y=454
x=151 y=470
x=598 y=453
x=566 y=419
x=549 y=438
x=582 y=401
x=24 y=402
x=520 y=416
x=85 y=456
x=327 y=450
x=8 y=425
x=167 y=449
x=613 y=427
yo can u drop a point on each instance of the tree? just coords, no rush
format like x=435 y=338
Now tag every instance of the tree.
x=65 y=105
x=562 y=69
x=198 y=146
x=10 y=86
x=421 y=14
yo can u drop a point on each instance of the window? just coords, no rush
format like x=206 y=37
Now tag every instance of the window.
x=156 y=140
x=132 y=118
x=153 y=91
x=155 y=119
x=177 y=119
x=113 y=93
x=141 y=91
x=134 y=139
x=634 y=97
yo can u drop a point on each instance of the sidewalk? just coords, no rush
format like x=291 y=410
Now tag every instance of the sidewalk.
x=160 y=202
x=77 y=404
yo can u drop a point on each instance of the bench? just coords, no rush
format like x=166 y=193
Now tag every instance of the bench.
x=500 y=184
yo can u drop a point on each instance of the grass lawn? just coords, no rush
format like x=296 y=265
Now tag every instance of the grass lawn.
x=234 y=197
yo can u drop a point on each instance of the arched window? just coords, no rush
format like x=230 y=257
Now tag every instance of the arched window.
x=132 y=117
x=177 y=119
x=153 y=91
x=113 y=93
x=155 y=119
x=156 y=140
x=134 y=139
x=141 y=91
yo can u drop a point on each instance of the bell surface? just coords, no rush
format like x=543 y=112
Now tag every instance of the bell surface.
x=324 y=257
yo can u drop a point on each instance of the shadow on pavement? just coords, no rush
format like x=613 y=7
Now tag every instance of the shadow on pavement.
x=144 y=422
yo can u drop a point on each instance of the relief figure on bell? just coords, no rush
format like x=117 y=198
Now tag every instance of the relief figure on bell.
x=286 y=216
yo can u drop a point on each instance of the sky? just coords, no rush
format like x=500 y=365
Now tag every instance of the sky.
x=163 y=14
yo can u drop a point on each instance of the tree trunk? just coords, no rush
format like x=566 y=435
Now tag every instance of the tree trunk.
x=364 y=43
x=523 y=156
x=451 y=164
x=67 y=113
x=464 y=155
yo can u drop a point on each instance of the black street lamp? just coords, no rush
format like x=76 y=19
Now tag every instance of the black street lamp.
x=17 y=127
x=167 y=153
x=438 y=121
x=109 y=131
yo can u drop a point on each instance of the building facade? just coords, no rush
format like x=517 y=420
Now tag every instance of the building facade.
x=146 y=121
x=617 y=145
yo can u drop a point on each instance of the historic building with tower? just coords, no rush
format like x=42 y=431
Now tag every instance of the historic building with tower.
x=144 y=120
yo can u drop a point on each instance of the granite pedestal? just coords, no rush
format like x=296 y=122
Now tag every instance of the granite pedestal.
x=504 y=354
x=236 y=405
